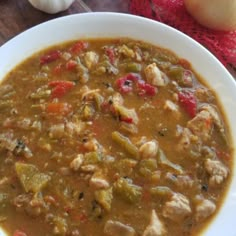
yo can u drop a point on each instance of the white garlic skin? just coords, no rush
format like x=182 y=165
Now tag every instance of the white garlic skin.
x=51 y=6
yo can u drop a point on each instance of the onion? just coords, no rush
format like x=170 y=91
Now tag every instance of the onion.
x=214 y=14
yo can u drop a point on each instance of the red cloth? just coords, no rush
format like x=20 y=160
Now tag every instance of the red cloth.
x=172 y=12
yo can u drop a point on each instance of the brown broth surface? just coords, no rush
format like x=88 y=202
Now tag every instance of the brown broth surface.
x=96 y=135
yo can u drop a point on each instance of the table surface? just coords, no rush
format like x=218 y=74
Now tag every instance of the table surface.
x=18 y=15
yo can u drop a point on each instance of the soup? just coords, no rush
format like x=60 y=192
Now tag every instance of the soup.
x=110 y=137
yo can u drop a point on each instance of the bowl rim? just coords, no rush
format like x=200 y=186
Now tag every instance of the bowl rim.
x=229 y=84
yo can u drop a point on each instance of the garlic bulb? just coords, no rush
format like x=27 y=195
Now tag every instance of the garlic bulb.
x=214 y=14
x=51 y=6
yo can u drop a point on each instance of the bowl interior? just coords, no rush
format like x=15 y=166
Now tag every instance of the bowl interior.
x=111 y=25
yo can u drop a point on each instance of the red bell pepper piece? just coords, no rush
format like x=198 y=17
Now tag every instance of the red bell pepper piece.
x=58 y=108
x=147 y=89
x=188 y=102
x=19 y=233
x=57 y=69
x=111 y=54
x=78 y=47
x=125 y=84
x=128 y=120
x=60 y=87
x=71 y=65
x=50 y=57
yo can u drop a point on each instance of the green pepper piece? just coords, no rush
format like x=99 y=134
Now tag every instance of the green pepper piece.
x=133 y=67
x=98 y=100
x=92 y=158
x=88 y=112
x=128 y=191
x=125 y=143
x=30 y=177
x=147 y=167
x=164 y=161
x=104 y=198
x=60 y=225
x=161 y=191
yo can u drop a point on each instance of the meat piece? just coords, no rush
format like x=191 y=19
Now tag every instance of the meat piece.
x=117 y=99
x=177 y=208
x=204 y=209
x=155 y=227
x=37 y=125
x=153 y=75
x=24 y=124
x=90 y=59
x=57 y=131
x=186 y=137
x=7 y=141
x=169 y=105
x=74 y=128
x=77 y=162
x=217 y=170
x=88 y=168
x=116 y=228
x=126 y=51
x=181 y=181
x=98 y=181
x=172 y=107
x=215 y=116
x=201 y=125
x=149 y=149
x=92 y=145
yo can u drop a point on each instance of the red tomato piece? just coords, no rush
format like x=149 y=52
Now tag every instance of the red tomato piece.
x=58 y=69
x=50 y=57
x=60 y=87
x=128 y=120
x=188 y=102
x=111 y=54
x=71 y=64
x=147 y=89
x=58 y=108
x=125 y=84
x=19 y=233
x=78 y=47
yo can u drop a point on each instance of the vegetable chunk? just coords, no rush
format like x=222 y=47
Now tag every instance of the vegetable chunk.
x=30 y=177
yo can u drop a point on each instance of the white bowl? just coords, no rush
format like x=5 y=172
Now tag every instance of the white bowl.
x=100 y=25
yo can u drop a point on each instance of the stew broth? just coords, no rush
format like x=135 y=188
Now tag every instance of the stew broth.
x=110 y=137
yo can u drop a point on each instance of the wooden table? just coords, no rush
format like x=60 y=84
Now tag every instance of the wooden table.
x=18 y=15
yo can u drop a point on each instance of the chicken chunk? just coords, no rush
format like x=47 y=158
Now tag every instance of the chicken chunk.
x=185 y=136
x=98 y=181
x=57 y=131
x=126 y=51
x=148 y=149
x=155 y=227
x=77 y=162
x=172 y=107
x=201 y=125
x=91 y=59
x=177 y=208
x=116 y=228
x=217 y=170
x=215 y=116
x=181 y=181
x=153 y=75
x=117 y=99
x=204 y=209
